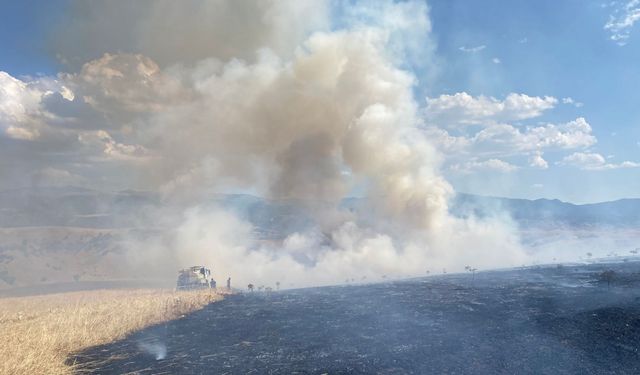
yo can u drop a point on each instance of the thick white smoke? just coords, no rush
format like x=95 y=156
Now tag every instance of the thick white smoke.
x=285 y=112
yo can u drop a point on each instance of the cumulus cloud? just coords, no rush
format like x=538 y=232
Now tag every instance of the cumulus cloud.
x=45 y=128
x=621 y=22
x=122 y=83
x=110 y=149
x=37 y=108
x=19 y=107
x=573 y=134
x=492 y=165
x=462 y=108
x=537 y=161
x=498 y=141
x=17 y=99
x=54 y=120
x=465 y=127
x=508 y=140
x=594 y=161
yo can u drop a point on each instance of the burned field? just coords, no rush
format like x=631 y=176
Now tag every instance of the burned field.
x=546 y=320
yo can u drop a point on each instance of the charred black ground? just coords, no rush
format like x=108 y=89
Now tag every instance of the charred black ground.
x=546 y=320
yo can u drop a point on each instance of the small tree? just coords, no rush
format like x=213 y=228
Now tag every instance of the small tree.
x=472 y=270
x=250 y=287
x=607 y=276
x=277 y=285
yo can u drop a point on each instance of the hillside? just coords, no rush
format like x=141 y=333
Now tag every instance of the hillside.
x=84 y=208
x=546 y=212
x=54 y=235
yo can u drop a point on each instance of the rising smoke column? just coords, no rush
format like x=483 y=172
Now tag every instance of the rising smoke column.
x=300 y=114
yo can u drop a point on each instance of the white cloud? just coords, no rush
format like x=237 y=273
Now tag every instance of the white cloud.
x=622 y=20
x=24 y=113
x=537 y=161
x=594 y=161
x=129 y=83
x=502 y=140
x=462 y=108
x=499 y=141
x=496 y=60
x=573 y=134
x=537 y=186
x=489 y=165
x=447 y=143
x=472 y=49
x=570 y=100
x=16 y=99
x=19 y=102
x=112 y=150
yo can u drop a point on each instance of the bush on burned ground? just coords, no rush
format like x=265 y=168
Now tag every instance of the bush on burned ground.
x=607 y=276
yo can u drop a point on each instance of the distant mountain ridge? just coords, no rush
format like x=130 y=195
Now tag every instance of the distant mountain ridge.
x=50 y=235
x=539 y=212
x=86 y=208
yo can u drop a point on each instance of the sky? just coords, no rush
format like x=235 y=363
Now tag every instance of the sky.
x=518 y=99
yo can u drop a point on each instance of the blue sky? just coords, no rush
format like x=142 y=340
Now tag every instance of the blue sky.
x=25 y=31
x=556 y=48
x=486 y=49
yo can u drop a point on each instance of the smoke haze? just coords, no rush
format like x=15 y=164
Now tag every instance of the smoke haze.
x=266 y=97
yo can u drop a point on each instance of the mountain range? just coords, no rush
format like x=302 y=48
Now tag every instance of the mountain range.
x=85 y=208
x=71 y=234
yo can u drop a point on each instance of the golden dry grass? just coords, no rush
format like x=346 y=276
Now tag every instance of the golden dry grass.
x=38 y=333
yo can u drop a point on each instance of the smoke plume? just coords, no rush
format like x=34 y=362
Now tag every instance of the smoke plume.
x=271 y=98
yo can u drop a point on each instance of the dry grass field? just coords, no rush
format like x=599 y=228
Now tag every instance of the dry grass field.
x=38 y=333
